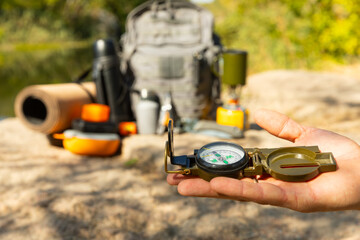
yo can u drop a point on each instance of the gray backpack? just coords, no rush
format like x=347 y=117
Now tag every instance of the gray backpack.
x=169 y=47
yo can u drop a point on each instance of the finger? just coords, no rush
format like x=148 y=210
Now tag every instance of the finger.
x=262 y=192
x=175 y=179
x=196 y=187
x=278 y=124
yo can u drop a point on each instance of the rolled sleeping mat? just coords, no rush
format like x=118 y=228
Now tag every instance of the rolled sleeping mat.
x=50 y=108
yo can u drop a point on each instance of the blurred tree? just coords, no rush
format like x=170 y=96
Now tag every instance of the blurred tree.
x=277 y=33
x=83 y=18
x=287 y=33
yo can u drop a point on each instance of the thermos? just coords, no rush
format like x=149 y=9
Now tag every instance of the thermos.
x=111 y=87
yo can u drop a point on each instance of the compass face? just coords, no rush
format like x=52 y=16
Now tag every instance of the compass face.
x=222 y=156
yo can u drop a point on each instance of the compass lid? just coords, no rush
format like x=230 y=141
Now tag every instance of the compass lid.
x=297 y=164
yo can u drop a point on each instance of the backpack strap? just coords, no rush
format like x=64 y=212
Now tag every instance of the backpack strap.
x=79 y=81
x=82 y=76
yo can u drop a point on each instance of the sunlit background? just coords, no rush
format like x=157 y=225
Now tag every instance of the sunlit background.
x=49 y=193
x=48 y=41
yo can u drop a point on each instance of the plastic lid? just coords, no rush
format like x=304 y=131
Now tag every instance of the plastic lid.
x=95 y=112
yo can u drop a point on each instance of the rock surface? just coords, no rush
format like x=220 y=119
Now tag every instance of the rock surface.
x=49 y=193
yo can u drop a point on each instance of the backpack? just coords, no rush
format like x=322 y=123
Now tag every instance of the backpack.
x=169 y=47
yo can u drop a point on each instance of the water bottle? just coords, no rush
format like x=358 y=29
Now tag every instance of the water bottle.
x=147 y=112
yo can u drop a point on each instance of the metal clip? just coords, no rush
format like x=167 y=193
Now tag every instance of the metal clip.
x=185 y=171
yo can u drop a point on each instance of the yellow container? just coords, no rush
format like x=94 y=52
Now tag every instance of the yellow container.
x=233 y=115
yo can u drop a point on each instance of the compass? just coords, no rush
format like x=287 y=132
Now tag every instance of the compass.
x=221 y=158
x=227 y=159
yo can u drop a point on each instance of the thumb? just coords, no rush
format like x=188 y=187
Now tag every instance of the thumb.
x=278 y=124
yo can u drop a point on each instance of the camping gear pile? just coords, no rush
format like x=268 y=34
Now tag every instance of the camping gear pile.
x=169 y=65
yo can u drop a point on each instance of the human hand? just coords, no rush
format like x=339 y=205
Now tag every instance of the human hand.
x=339 y=190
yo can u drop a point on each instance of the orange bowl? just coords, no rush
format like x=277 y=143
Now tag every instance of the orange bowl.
x=90 y=144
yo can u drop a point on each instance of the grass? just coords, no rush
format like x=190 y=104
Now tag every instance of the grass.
x=131 y=162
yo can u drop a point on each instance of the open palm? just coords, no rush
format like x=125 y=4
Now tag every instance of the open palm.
x=330 y=191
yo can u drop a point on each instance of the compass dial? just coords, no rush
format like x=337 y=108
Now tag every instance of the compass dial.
x=221 y=156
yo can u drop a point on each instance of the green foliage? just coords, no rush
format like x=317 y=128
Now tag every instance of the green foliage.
x=24 y=68
x=121 y=8
x=277 y=33
x=49 y=20
x=290 y=34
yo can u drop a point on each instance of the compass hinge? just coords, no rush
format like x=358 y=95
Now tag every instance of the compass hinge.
x=255 y=166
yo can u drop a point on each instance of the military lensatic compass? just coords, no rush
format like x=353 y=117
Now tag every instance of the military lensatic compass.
x=294 y=164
